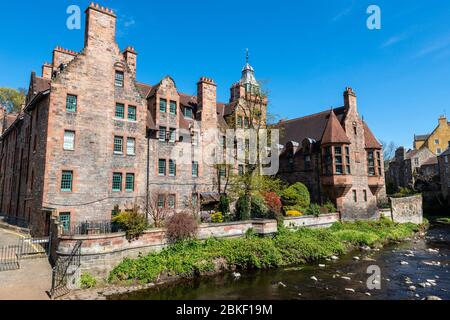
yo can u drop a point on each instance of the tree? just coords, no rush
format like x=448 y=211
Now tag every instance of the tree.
x=12 y=99
x=388 y=150
x=157 y=213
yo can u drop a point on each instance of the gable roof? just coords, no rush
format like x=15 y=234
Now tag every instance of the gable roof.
x=369 y=138
x=334 y=133
x=312 y=126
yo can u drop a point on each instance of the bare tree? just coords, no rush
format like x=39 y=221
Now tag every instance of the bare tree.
x=388 y=150
x=158 y=213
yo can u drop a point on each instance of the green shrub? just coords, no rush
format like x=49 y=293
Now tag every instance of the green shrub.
x=242 y=209
x=259 y=209
x=132 y=222
x=224 y=204
x=88 y=281
x=217 y=217
x=296 y=197
x=330 y=207
x=313 y=210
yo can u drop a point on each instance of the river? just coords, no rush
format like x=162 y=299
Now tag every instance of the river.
x=423 y=264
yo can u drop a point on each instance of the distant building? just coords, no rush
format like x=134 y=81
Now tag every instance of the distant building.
x=336 y=155
x=444 y=174
x=438 y=141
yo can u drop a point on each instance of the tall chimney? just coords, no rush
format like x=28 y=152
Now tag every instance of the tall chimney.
x=100 y=26
x=350 y=99
x=130 y=56
x=47 y=70
x=207 y=102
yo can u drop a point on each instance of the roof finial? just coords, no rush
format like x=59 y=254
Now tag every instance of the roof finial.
x=247 y=55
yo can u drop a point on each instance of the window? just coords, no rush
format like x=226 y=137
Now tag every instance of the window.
x=71 y=103
x=416 y=162
x=239 y=122
x=355 y=196
x=241 y=170
x=195 y=138
x=118 y=145
x=355 y=130
x=120 y=111
x=246 y=123
x=347 y=161
x=188 y=113
x=222 y=172
x=173 y=135
x=173 y=107
x=131 y=146
x=446 y=159
x=172 y=168
x=69 y=140
x=195 y=169
x=247 y=145
x=307 y=159
x=162 y=134
x=172 y=201
x=163 y=105
x=365 y=195
x=162 y=167
x=132 y=113
x=66 y=181
x=117 y=182
x=119 y=79
x=223 y=143
x=436 y=141
x=194 y=200
x=161 y=201
x=371 y=163
x=328 y=167
x=379 y=163
x=438 y=151
x=64 y=219
x=338 y=160
x=129 y=182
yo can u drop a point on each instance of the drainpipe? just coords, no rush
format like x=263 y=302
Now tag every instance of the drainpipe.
x=147 y=191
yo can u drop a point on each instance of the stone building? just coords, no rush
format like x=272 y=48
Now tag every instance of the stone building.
x=405 y=167
x=91 y=137
x=335 y=154
x=444 y=175
x=438 y=141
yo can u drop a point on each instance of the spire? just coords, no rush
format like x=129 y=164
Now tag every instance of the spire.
x=248 y=74
x=334 y=133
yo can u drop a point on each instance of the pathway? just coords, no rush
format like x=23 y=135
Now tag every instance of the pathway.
x=31 y=282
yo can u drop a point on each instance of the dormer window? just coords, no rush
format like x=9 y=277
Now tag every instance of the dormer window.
x=188 y=113
x=119 y=79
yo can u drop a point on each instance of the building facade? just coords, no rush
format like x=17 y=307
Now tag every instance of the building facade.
x=335 y=154
x=438 y=141
x=91 y=137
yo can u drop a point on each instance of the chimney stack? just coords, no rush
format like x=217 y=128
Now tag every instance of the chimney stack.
x=207 y=102
x=130 y=56
x=350 y=99
x=100 y=26
x=47 y=70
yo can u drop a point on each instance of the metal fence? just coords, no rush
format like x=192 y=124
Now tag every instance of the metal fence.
x=91 y=227
x=9 y=258
x=65 y=271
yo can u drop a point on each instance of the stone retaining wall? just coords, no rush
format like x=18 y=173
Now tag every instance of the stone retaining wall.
x=323 y=221
x=408 y=209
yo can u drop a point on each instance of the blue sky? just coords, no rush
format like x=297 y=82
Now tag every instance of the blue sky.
x=305 y=52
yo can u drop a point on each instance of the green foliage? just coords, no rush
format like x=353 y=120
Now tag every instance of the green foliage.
x=390 y=188
x=259 y=209
x=88 y=281
x=191 y=258
x=132 y=222
x=330 y=207
x=224 y=204
x=242 y=209
x=313 y=210
x=12 y=99
x=404 y=192
x=296 y=197
x=443 y=221
x=217 y=217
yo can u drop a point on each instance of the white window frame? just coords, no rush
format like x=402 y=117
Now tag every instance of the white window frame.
x=69 y=142
x=131 y=149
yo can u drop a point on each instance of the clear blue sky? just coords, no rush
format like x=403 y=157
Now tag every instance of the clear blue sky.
x=306 y=52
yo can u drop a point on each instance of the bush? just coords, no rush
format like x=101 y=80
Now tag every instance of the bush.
x=329 y=206
x=259 y=209
x=242 y=209
x=181 y=226
x=273 y=203
x=217 y=217
x=294 y=213
x=313 y=210
x=296 y=197
x=224 y=204
x=132 y=222
x=88 y=281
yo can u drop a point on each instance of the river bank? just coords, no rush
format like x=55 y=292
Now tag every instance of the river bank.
x=197 y=260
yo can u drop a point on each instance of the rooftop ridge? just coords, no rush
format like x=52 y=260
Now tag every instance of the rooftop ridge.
x=309 y=116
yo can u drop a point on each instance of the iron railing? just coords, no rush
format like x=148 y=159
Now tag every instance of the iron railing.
x=9 y=258
x=91 y=228
x=16 y=221
x=63 y=269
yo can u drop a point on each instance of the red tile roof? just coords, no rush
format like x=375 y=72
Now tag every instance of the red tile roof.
x=334 y=133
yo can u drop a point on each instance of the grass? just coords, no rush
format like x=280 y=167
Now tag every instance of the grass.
x=444 y=220
x=189 y=259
